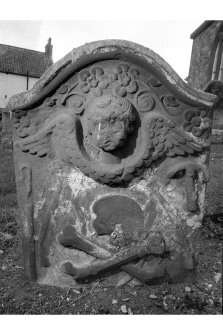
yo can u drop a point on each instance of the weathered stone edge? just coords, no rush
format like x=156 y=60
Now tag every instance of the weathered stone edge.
x=98 y=50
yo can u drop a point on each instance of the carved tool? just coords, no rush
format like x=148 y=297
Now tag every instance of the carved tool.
x=154 y=245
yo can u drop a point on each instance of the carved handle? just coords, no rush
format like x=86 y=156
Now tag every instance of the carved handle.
x=191 y=170
x=190 y=188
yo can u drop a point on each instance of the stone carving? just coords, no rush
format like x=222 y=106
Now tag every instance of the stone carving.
x=93 y=80
x=215 y=87
x=145 y=102
x=154 y=245
x=109 y=120
x=170 y=101
x=198 y=122
x=126 y=83
x=118 y=153
x=25 y=176
x=6 y=129
x=189 y=171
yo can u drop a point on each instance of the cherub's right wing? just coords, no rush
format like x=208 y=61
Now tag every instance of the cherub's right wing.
x=53 y=132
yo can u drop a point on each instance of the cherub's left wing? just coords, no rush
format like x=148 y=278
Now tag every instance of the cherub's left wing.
x=169 y=140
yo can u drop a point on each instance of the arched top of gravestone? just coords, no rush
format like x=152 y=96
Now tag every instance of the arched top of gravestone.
x=94 y=52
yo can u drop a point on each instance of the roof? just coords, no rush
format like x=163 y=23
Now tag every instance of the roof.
x=202 y=27
x=21 y=61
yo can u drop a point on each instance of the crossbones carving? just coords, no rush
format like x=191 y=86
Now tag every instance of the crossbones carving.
x=106 y=260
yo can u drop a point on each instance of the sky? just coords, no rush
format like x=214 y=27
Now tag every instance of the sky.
x=169 y=38
x=163 y=26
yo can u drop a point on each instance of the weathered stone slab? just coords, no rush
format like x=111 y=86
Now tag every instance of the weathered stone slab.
x=6 y=129
x=111 y=154
x=216 y=87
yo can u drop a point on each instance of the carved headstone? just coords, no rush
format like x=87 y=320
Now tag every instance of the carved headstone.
x=111 y=151
x=6 y=129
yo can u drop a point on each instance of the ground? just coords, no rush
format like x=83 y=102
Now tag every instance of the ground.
x=203 y=296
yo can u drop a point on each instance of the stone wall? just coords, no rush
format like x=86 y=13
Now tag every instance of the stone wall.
x=6 y=129
x=201 y=64
x=201 y=57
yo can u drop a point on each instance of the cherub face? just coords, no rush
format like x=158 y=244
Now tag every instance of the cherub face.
x=109 y=122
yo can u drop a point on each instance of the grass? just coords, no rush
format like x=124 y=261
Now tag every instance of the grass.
x=8 y=202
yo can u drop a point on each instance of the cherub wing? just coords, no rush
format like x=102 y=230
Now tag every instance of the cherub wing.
x=52 y=134
x=169 y=140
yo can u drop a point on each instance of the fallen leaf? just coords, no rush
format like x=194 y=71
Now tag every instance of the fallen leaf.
x=165 y=292
x=165 y=306
x=126 y=299
x=217 y=277
x=211 y=302
x=76 y=291
x=187 y=289
x=119 y=294
x=124 y=309
x=171 y=297
x=153 y=296
x=114 y=301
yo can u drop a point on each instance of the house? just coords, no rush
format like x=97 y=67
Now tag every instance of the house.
x=207 y=64
x=20 y=69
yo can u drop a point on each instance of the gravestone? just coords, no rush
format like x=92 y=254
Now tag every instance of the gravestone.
x=6 y=129
x=111 y=154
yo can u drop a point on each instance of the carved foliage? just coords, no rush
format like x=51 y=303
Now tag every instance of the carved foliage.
x=93 y=80
x=126 y=80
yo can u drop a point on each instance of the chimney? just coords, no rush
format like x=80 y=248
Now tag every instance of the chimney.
x=49 y=48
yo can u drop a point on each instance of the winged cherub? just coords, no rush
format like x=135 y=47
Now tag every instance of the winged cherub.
x=108 y=122
x=105 y=127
